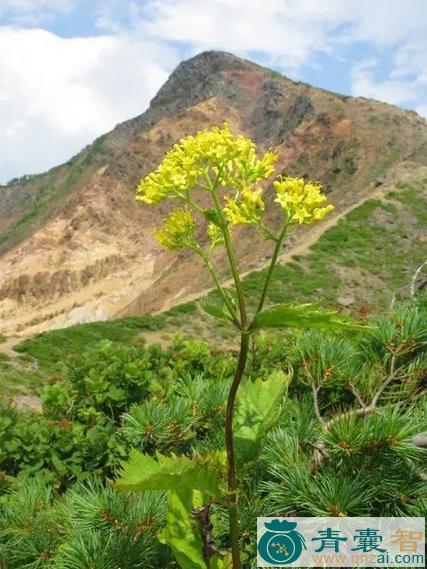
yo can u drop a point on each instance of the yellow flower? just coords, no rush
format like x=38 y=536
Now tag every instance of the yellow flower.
x=301 y=200
x=215 y=234
x=214 y=155
x=179 y=230
x=247 y=208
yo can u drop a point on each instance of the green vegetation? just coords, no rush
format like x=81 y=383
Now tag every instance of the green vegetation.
x=42 y=357
x=19 y=377
x=50 y=189
x=368 y=241
x=144 y=456
x=409 y=196
x=51 y=349
x=361 y=241
x=57 y=505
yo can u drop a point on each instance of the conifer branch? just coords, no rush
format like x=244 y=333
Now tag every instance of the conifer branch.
x=412 y=287
x=321 y=453
x=364 y=409
x=386 y=383
x=315 y=391
x=356 y=394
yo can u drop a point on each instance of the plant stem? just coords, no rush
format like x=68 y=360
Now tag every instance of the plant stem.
x=236 y=277
x=221 y=291
x=233 y=513
x=233 y=263
x=276 y=252
x=232 y=479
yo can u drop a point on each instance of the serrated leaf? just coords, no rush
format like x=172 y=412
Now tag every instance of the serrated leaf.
x=142 y=472
x=182 y=532
x=257 y=408
x=302 y=316
x=216 y=311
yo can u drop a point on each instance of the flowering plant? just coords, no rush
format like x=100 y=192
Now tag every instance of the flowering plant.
x=227 y=168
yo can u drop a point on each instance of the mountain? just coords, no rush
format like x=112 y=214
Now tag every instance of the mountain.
x=75 y=246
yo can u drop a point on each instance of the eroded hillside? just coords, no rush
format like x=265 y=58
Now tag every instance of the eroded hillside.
x=77 y=248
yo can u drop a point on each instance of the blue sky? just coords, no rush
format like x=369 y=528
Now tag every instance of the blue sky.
x=71 y=70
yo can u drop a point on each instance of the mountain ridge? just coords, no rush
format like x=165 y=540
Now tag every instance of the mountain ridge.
x=58 y=263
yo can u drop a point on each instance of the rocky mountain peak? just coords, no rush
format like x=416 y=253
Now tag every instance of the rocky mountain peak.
x=201 y=77
x=195 y=75
x=206 y=75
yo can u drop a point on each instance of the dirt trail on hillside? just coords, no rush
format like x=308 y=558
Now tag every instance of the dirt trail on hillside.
x=300 y=248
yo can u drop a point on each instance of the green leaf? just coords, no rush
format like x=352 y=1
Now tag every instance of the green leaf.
x=221 y=562
x=257 y=409
x=58 y=465
x=142 y=472
x=216 y=311
x=302 y=316
x=212 y=215
x=182 y=532
x=116 y=393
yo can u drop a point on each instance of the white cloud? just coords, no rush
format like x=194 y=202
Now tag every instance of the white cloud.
x=406 y=83
x=385 y=23
x=411 y=60
x=289 y=32
x=57 y=94
x=285 y=34
x=392 y=91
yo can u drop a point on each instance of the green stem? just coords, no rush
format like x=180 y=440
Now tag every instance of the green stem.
x=268 y=233
x=233 y=513
x=231 y=477
x=236 y=278
x=276 y=252
x=218 y=286
x=192 y=203
x=198 y=250
x=233 y=263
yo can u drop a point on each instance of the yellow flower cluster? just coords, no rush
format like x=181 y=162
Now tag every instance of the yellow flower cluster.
x=179 y=230
x=301 y=200
x=247 y=208
x=216 y=155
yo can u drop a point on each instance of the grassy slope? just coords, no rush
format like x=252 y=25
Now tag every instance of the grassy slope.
x=44 y=354
x=378 y=244
x=51 y=189
x=369 y=254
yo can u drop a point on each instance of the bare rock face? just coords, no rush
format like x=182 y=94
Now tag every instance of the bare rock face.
x=76 y=247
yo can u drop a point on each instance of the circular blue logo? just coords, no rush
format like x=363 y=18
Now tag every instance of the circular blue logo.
x=281 y=544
